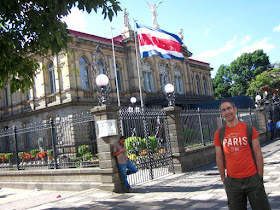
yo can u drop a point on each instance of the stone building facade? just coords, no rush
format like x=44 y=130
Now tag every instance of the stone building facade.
x=65 y=84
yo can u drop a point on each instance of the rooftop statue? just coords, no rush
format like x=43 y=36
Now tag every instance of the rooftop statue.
x=153 y=8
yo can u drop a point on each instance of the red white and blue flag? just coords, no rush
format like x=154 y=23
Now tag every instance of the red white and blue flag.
x=153 y=41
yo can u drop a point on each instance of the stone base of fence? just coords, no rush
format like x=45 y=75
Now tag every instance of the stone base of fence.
x=197 y=157
x=60 y=179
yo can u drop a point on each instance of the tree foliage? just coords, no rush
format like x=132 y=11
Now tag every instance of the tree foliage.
x=235 y=79
x=31 y=27
x=269 y=79
x=221 y=82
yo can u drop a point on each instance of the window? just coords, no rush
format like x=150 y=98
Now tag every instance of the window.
x=178 y=81
x=147 y=77
x=100 y=67
x=163 y=76
x=197 y=84
x=205 y=85
x=51 y=78
x=84 y=73
x=118 y=77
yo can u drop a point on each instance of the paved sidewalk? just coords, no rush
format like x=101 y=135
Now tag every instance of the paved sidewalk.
x=198 y=189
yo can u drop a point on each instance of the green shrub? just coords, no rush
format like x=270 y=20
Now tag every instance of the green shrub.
x=50 y=152
x=33 y=152
x=19 y=154
x=83 y=149
x=134 y=144
x=189 y=136
x=87 y=156
x=153 y=144
x=8 y=156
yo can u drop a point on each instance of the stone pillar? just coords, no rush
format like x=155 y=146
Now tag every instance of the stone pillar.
x=110 y=177
x=176 y=137
x=262 y=118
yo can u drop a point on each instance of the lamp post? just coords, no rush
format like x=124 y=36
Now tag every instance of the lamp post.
x=258 y=100
x=133 y=100
x=170 y=96
x=102 y=81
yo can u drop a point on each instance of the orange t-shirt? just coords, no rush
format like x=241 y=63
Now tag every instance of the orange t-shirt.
x=238 y=155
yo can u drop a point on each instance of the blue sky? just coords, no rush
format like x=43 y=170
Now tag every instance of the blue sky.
x=215 y=31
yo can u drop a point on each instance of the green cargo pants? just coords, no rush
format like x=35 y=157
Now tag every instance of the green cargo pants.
x=238 y=190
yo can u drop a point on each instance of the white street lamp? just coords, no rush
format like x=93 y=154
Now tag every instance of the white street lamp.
x=133 y=100
x=102 y=81
x=169 y=89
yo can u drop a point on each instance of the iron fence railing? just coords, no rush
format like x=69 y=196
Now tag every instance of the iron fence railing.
x=200 y=125
x=148 y=143
x=60 y=142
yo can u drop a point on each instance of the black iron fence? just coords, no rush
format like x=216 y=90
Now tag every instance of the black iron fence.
x=61 y=142
x=148 y=144
x=200 y=125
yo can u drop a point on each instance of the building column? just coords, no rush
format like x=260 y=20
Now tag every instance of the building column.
x=110 y=176
x=176 y=137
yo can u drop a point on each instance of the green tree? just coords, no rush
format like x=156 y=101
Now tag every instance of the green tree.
x=245 y=68
x=269 y=78
x=222 y=82
x=32 y=28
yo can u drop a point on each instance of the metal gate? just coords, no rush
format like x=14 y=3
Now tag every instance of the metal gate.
x=148 y=143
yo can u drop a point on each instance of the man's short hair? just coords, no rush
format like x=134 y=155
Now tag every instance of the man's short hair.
x=122 y=137
x=226 y=100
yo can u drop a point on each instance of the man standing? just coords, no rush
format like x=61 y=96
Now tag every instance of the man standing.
x=270 y=128
x=244 y=175
x=125 y=165
x=278 y=129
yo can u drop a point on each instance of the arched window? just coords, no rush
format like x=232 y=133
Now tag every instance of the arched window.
x=147 y=77
x=204 y=85
x=84 y=73
x=100 y=67
x=118 y=77
x=197 y=84
x=163 y=76
x=178 y=81
x=51 y=78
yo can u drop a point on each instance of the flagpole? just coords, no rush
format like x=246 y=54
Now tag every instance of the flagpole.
x=137 y=63
x=115 y=69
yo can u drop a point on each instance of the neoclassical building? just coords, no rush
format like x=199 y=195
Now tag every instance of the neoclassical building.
x=65 y=84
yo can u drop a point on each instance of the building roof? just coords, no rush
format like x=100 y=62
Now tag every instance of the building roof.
x=198 y=62
x=117 y=39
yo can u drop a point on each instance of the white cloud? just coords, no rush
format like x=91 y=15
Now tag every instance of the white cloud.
x=207 y=31
x=246 y=39
x=76 y=20
x=256 y=46
x=229 y=45
x=277 y=28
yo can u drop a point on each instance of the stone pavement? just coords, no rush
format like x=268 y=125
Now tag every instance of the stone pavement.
x=197 y=189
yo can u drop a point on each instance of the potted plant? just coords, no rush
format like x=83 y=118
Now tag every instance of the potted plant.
x=24 y=156
x=50 y=154
x=8 y=156
x=2 y=157
x=42 y=156
x=83 y=149
x=34 y=152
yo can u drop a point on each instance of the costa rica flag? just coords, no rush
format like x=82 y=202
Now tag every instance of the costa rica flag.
x=153 y=41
